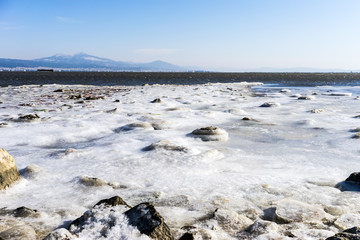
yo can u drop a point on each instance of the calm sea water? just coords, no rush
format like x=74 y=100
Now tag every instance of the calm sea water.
x=188 y=78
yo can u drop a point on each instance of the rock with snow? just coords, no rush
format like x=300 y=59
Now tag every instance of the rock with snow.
x=60 y=234
x=284 y=90
x=270 y=104
x=30 y=171
x=259 y=228
x=8 y=171
x=210 y=134
x=91 y=181
x=102 y=217
x=347 y=220
x=317 y=110
x=148 y=221
x=231 y=221
x=338 y=94
x=166 y=145
x=133 y=126
x=305 y=98
x=295 y=211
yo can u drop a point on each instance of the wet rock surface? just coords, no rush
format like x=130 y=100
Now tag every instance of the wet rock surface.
x=8 y=171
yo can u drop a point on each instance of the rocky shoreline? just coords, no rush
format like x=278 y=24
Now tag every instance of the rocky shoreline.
x=103 y=217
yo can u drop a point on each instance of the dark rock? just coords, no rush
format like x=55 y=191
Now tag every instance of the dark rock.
x=348 y=234
x=304 y=98
x=29 y=117
x=356 y=135
x=246 y=119
x=187 y=236
x=270 y=104
x=79 y=96
x=352 y=183
x=59 y=90
x=149 y=222
x=24 y=212
x=26 y=105
x=114 y=201
x=117 y=100
x=8 y=171
x=354 y=177
x=270 y=215
x=80 y=102
x=355 y=130
x=156 y=100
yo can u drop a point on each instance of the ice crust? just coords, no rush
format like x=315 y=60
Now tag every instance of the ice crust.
x=287 y=155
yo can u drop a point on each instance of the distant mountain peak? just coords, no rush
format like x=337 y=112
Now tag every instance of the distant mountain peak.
x=85 y=62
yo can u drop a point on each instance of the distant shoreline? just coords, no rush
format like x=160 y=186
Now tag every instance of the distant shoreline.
x=177 y=78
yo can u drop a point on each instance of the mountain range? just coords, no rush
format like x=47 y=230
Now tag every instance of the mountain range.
x=85 y=62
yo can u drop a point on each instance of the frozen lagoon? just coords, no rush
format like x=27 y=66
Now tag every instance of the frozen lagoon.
x=288 y=156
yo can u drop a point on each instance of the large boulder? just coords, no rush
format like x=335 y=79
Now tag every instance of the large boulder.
x=148 y=221
x=8 y=171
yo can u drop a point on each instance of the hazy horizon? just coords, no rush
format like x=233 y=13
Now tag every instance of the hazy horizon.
x=210 y=35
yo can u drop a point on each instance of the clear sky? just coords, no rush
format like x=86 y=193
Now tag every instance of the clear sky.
x=210 y=34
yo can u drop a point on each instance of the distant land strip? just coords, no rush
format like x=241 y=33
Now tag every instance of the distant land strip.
x=178 y=78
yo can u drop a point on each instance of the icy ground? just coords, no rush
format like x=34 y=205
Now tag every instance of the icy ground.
x=289 y=155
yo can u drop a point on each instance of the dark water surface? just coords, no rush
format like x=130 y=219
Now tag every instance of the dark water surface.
x=139 y=78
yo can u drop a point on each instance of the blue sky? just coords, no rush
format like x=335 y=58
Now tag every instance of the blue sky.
x=225 y=35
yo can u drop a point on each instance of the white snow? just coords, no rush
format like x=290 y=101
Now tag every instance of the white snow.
x=288 y=153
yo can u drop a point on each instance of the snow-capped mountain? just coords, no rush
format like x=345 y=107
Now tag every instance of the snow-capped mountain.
x=85 y=62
